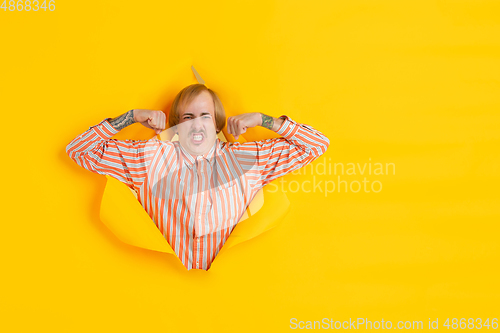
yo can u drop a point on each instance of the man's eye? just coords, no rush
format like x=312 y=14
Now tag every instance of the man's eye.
x=206 y=117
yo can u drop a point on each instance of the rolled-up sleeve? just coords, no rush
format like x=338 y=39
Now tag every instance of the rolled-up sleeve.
x=125 y=160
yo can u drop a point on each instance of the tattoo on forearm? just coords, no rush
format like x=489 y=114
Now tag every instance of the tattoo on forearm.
x=267 y=121
x=123 y=121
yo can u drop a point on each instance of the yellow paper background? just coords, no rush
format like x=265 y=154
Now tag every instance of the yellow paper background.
x=414 y=83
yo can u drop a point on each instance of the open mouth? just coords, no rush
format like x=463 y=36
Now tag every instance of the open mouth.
x=197 y=138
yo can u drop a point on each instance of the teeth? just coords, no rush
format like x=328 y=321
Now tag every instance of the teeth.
x=197 y=137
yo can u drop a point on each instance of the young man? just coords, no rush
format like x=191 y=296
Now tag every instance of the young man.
x=197 y=188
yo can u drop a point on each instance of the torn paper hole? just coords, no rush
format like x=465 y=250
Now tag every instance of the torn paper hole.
x=124 y=215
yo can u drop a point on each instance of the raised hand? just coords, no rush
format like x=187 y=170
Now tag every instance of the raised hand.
x=154 y=119
x=237 y=125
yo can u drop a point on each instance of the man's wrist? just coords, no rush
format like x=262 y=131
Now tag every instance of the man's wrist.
x=271 y=123
x=267 y=121
x=123 y=121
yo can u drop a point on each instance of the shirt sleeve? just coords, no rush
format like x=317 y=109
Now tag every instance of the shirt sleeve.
x=299 y=145
x=127 y=161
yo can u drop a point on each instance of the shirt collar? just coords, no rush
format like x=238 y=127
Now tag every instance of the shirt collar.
x=189 y=159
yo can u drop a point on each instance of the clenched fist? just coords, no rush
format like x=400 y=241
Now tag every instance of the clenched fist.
x=239 y=124
x=153 y=119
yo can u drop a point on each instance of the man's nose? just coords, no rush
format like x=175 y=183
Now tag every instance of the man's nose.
x=196 y=123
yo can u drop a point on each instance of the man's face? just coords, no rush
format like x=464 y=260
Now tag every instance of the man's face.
x=196 y=129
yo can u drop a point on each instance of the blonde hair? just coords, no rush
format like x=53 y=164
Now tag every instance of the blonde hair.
x=186 y=95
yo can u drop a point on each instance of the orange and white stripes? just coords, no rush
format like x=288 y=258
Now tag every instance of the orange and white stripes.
x=195 y=201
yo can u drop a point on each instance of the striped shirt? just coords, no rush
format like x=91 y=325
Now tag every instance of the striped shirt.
x=196 y=201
